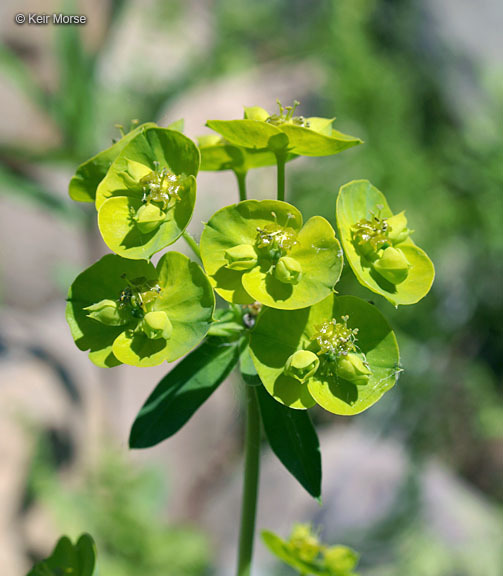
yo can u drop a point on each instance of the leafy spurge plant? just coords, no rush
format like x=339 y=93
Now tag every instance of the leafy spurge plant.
x=296 y=341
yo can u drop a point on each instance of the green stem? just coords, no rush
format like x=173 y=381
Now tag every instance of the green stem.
x=192 y=243
x=281 y=161
x=241 y=176
x=250 y=486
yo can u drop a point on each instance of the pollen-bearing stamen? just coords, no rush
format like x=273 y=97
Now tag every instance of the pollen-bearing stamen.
x=275 y=239
x=338 y=352
x=138 y=295
x=371 y=235
x=162 y=186
x=335 y=338
x=286 y=116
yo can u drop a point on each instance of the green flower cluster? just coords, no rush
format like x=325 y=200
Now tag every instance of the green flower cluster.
x=378 y=246
x=123 y=309
x=283 y=133
x=304 y=552
x=128 y=311
x=308 y=345
x=261 y=251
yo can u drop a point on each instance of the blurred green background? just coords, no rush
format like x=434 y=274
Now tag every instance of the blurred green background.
x=406 y=76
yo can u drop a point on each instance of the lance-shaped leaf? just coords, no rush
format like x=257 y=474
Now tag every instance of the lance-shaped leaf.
x=146 y=200
x=127 y=311
x=284 y=133
x=259 y=251
x=182 y=391
x=76 y=559
x=84 y=183
x=293 y=439
x=367 y=227
x=357 y=351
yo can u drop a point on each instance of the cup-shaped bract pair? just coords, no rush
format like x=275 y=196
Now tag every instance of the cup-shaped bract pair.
x=258 y=251
x=340 y=353
x=217 y=154
x=378 y=246
x=284 y=133
x=128 y=311
x=147 y=197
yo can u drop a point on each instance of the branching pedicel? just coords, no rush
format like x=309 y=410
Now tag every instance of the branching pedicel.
x=297 y=343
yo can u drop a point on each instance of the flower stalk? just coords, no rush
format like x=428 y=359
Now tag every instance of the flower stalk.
x=250 y=484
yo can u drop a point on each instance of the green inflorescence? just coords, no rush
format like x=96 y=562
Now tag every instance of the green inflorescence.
x=335 y=338
x=371 y=235
x=137 y=297
x=275 y=240
x=286 y=116
x=162 y=186
x=338 y=352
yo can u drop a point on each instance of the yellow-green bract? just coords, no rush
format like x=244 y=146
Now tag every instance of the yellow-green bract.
x=284 y=133
x=218 y=154
x=378 y=246
x=332 y=329
x=89 y=174
x=147 y=197
x=164 y=311
x=258 y=250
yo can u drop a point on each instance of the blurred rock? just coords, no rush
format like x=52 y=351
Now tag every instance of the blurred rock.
x=363 y=480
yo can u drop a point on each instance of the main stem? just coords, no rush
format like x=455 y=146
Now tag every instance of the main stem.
x=250 y=485
x=281 y=161
x=241 y=176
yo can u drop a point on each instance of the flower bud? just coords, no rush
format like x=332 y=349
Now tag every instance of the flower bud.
x=107 y=312
x=304 y=543
x=149 y=217
x=351 y=367
x=242 y=257
x=157 y=325
x=288 y=270
x=398 y=231
x=301 y=365
x=392 y=265
x=340 y=559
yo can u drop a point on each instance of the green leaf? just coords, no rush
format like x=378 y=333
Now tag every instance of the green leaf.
x=293 y=439
x=155 y=170
x=84 y=183
x=177 y=287
x=73 y=559
x=278 y=334
x=359 y=200
x=182 y=391
x=314 y=248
